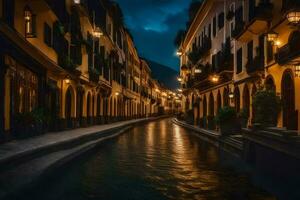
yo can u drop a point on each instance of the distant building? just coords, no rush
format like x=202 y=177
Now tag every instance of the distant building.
x=73 y=59
x=232 y=48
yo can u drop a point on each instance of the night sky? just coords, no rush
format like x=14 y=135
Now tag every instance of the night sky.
x=154 y=24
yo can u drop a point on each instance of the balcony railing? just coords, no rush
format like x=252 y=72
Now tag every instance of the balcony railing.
x=255 y=64
x=289 y=51
x=263 y=11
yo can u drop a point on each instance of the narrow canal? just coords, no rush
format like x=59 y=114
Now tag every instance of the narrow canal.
x=158 y=160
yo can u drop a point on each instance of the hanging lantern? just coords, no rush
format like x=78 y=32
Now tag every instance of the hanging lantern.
x=179 y=53
x=198 y=70
x=97 y=32
x=215 y=78
x=272 y=36
x=297 y=71
x=179 y=79
x=293 y=16
x=231 y=95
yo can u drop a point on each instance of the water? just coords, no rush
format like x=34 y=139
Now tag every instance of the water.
x=158 y=160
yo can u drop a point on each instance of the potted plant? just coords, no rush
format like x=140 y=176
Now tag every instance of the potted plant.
x=267 y=107
x=226 y=119
x=243 y=117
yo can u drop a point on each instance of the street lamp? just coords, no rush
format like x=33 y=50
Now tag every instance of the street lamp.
x=179 y=53
x=215 y=78
x=231 y=95
x=297 y=70
x=293 y=16
x=97 y=32
x=272 y=36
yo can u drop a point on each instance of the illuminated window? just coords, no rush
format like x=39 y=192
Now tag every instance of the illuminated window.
x=29 y=23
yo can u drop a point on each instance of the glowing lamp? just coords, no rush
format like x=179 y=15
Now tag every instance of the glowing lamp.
x=198 y=71
x=117 y=93
x=179 y=79
x=215 y=78
x=77 y=1
x=297 y=71
x=179 y=53
x=231 y=95
x=67 y=81
x=97 y=32
x=179 y=90
x=293 y=17
x=272 y=36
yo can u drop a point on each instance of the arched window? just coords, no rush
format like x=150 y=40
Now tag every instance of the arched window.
x=270 y=85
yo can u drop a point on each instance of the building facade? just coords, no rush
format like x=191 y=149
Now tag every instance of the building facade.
x=68 y=64
x=234 y=48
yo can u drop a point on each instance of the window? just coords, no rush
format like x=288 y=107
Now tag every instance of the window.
x=239 y=61
x=30 y=23
x=47 y=35
x=214 y=26
x=221 y=19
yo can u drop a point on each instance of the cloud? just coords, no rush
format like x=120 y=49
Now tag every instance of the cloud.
x=154 y=24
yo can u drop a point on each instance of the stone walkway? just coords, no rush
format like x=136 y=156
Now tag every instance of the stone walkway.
x=18 y=148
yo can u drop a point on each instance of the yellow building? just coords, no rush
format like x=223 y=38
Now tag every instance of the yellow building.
x=231 y=49
x=65 y=64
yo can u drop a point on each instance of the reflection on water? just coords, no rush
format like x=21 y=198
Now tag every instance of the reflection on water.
x=154 y=161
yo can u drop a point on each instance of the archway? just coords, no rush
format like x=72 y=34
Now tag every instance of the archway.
x=79 y=107
x=254 y=90
x=68 y=107
x=226 y=97
x=89 y=109
x=269 y=84
x=288 y=101
x=204 y=106
x=219 y=101
x=211 y=111
x=237 y=99
x=246 y=99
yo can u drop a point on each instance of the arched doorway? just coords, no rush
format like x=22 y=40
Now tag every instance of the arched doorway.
x=237 y=99
x=226 y=97
x=211 y=111
x=99 y=108
x=254 y=90
x=204 y=107
x=79 y=107
x=219 y=101
x=68 y=108
x=246 y=99
x=88 y=109
x=269 y=84
x=288 y=101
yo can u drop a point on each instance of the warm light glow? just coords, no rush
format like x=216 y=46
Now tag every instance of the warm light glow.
x=179 y=90
x=97 y=32
x=277 y=43
x=117 y=93
x=198 y=71
x=215 y=78
x=164 y=94
x=157 y=90
x=68 y=81
x=293 y=17
x=231 y=95
x=272 y=36
x=77 y=1
x=179 y=53
x=179 y=79
x=297 y=71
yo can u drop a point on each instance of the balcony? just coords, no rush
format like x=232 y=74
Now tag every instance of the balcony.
x=255 y=65
x=225 y=58
x=94 y=75
x=259 y=16
x=289 y=53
